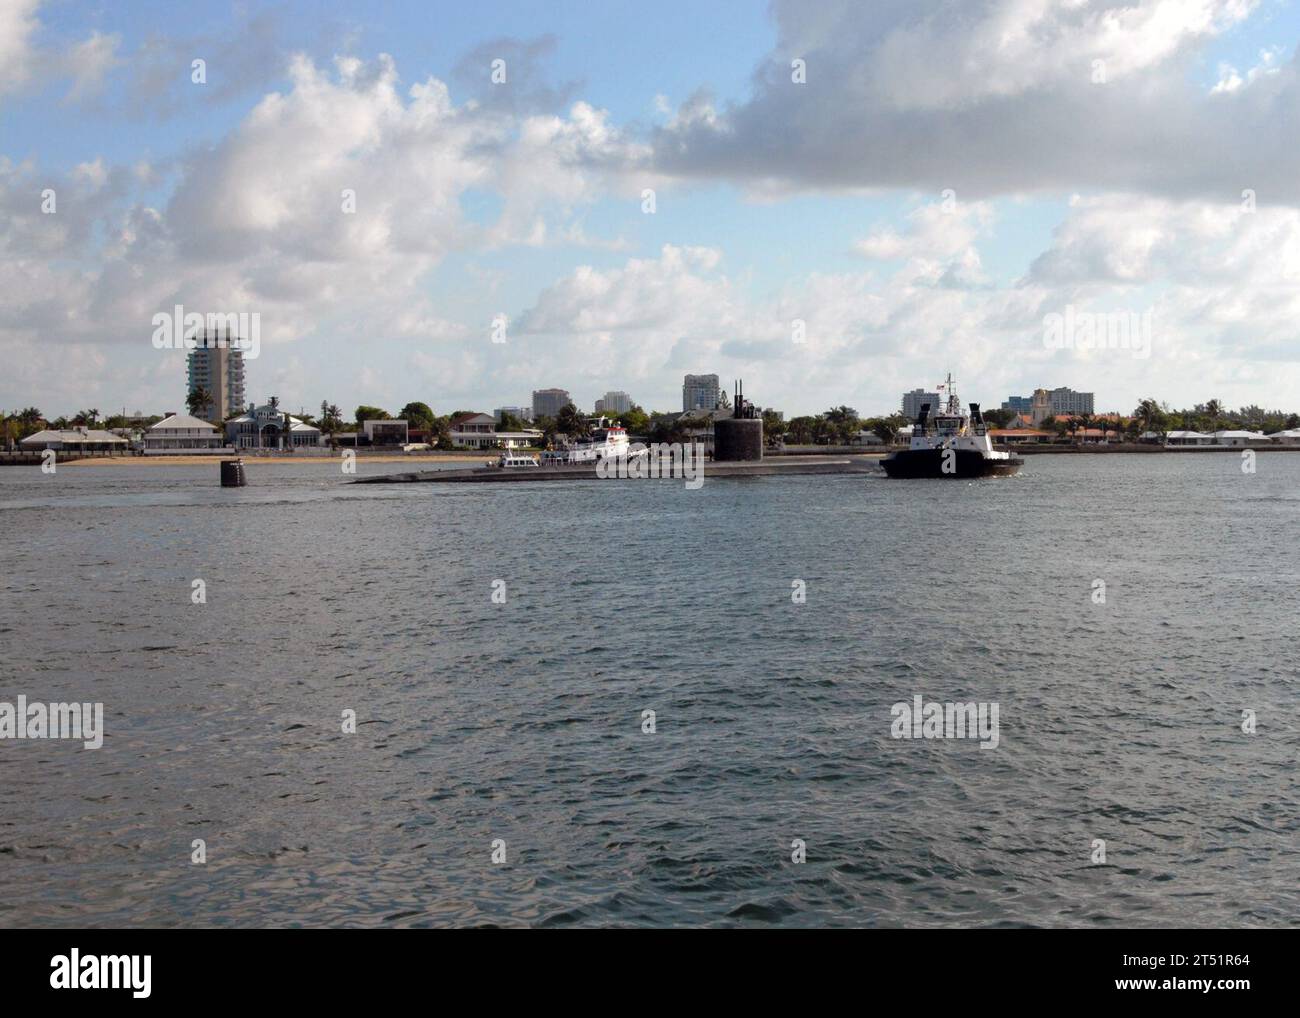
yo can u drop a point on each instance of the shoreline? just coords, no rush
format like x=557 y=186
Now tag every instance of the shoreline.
x=193 y=461
x=479 y=458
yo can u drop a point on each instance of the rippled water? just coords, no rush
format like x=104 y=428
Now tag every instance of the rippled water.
x=522 y=721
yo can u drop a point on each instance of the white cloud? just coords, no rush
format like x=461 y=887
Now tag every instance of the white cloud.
x=17 y=25
x=257 y=222
x=1218 y=280
x=998 y=97
x=88 y=63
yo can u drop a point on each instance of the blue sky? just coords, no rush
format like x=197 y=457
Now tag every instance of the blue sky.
x=821 y=202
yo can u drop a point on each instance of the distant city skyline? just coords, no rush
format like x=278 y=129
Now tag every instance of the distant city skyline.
x=612 y=214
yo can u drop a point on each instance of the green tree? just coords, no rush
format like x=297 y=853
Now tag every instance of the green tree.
x=800 y=430
x=887 y=428
x=331 y=417
x=843 y=422
x=197 y=399
x=440 y=433
x=636 y=420
x=570 y=422
x=773 y=428
x=417 y=415
x=548 y=428
x=667 y=428
x=371 y=413
x=509 y=422
x=1150 y=417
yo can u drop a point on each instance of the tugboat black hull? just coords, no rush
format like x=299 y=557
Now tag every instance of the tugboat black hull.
x=965 y=463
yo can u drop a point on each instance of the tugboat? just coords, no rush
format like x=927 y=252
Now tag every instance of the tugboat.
x=951 y=444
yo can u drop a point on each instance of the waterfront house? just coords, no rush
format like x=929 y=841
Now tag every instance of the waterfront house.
x=269 y=427
x=386 y=432
x=1240 y=438
x=1188 y=438
x=479 y=431
x=87 y=441
x=1021 y=436
x=1217 y=439
x=181 y=433
x=473 y=431
x=866 y=438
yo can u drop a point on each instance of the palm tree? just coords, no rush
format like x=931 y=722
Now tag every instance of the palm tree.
x=571 y=422
x=843 y=421
x=1148 y=414
x=197 y=400
x=1214 y=411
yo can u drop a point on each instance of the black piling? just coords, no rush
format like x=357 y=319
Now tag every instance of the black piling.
x=232 y=474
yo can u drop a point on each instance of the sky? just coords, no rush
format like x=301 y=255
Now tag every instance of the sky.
x=834 y=201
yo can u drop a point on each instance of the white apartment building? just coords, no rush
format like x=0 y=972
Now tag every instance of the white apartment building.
x=614 y=402
x=914 y=400
x=213 y=365
x=700 y=392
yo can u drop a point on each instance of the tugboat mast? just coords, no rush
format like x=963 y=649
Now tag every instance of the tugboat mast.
x=954 y=404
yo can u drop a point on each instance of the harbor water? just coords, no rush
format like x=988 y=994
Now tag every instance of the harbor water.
x=502 y=645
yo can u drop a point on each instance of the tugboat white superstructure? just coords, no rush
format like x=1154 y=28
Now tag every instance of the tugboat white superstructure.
x=605 y=441
x=951 y=444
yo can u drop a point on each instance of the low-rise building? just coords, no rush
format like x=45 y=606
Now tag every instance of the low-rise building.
x=182 y=433
x=269 y=427
x=81 y=440
x=1188 y=438
x=1236 y=439
x=1220 y=439
x=386 y=432
x=1021 y=436
x=478 y=431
